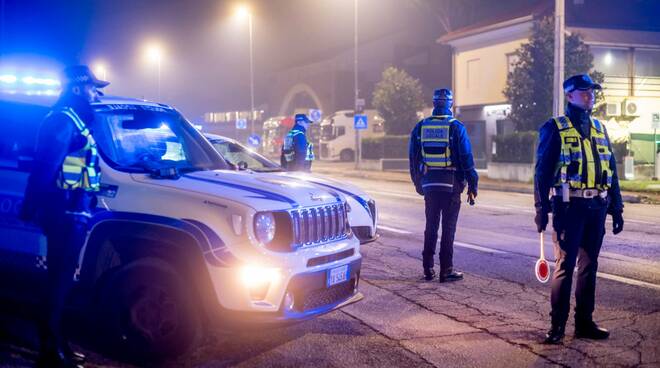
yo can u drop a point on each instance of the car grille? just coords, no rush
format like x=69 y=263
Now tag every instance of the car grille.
x=330 y=258
x=317 y=225
x=322 y=297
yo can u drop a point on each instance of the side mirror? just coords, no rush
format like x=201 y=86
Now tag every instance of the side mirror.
x=242 y=165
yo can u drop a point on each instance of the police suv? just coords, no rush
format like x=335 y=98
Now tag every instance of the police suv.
x=179 y=239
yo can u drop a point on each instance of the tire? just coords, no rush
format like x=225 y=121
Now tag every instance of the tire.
x=347 y=155
x=147 y=313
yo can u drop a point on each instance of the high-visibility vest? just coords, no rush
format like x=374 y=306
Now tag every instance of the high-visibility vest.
x=80 y=169
x=288 y=147
x=584 y=163
x=434 y=138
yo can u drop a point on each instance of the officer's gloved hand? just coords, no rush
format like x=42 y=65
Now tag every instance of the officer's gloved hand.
x=472 y=194
x=541 y=220
x=617 y=222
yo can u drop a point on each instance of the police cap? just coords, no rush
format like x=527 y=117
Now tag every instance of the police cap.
x=581 y=82
x=302 y=118
x=442 y=94
x=81 y=74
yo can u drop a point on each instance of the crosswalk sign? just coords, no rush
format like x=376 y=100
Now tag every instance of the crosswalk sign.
x=360 y=122
x=241 y=124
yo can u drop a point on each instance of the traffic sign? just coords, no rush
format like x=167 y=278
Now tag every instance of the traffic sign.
x=360 y=121
x=656 y=120
x=254 y=140
x=241 y=124
x=315 y=115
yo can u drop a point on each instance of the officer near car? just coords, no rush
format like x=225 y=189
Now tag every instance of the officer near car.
x=297 y=152
x=576 y=179
x=59 y=198
x=441 y=164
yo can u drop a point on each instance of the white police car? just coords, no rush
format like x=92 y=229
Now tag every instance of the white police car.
x=363 y=215
x=180 y=240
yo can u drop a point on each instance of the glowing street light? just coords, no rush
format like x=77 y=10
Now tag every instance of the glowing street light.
x=243 y=12
x=154 y=54
x=101 y=71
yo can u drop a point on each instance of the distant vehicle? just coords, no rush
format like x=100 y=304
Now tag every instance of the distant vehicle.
x=363 y=213
x=180 y=240
x=338 y=134
x=275 y=129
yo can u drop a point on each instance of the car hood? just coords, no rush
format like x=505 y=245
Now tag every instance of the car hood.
x=261 y=191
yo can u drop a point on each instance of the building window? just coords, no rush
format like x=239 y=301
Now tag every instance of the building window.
x=647 y=63
x=511 y=60
x=473 y=74
x=613 y=62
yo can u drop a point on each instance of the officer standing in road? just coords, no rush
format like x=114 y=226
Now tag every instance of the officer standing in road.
x=297 y=152
x=59 y=198
x=441 y=163
x=575 y=165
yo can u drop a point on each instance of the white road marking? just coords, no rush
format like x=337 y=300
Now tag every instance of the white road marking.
x=480 y=248
x=394 y=230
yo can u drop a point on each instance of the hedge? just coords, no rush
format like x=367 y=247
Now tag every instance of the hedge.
x=516 y=147
x=389 y=146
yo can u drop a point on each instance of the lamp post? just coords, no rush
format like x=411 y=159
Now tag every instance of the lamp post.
x=243 y=12
x=155 y=55
x=358 y=149
x=101 y=71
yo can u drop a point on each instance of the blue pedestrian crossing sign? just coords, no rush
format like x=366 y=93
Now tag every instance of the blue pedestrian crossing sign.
x=315 y=115
x=254 y=140
x=241 y=123
x=360 y=122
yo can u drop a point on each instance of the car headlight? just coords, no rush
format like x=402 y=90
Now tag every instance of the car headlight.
x=264 y=227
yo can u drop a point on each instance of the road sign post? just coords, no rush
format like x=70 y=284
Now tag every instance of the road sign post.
x=315 y=115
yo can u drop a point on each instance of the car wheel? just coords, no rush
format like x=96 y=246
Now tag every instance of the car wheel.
x=147 y=312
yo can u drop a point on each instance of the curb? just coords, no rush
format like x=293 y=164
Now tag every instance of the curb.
x=627 y=198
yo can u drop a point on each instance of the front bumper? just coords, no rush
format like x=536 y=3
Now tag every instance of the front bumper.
x=312 y=298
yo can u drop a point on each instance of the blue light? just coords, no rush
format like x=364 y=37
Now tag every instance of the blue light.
x=8 y=78
x=42 y=81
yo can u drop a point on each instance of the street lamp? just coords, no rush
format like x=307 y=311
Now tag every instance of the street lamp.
x=243 y=12
x=101 y=71
x=154 y=54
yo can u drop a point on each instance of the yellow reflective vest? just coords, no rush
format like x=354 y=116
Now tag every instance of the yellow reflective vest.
x=584 y=163
x=80 y=169
x=434 y=140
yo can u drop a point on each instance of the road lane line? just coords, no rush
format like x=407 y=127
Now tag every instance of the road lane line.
x=603 y=275
x=479 y=248
x=394 y=230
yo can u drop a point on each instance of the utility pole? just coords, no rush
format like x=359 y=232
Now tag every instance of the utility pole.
x=558 y=90
x=355 y=81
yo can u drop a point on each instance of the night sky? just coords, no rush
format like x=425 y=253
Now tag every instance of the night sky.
x=206 y=64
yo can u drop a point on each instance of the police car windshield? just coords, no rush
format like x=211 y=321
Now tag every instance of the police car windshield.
x=236 y=153
x=144 y=138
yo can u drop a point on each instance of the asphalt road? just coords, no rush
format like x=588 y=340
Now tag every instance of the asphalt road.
x=496 y=317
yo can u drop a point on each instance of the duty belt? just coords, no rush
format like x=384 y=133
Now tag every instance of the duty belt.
x=582 y=193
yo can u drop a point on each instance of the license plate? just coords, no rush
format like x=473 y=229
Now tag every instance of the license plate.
x=337 y=275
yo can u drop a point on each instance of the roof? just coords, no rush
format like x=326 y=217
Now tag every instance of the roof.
x=617 y=37
x=523 y=14
x=129 y=101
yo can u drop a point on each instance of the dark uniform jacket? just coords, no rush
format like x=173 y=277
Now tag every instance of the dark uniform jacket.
x=58 y=136
x=547 y=157
x=461 y=158
x=299 y=163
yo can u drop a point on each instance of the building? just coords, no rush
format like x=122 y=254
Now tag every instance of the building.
x=483 y=54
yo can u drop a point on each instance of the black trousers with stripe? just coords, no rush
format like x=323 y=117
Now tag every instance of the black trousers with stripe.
x=446 y=206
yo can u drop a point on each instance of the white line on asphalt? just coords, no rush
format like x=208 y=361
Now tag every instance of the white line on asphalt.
x=479 y=248
x=603 y=275
x=394 y=230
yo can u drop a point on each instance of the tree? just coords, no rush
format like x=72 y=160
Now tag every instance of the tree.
x=398 y=97
x=529 y=85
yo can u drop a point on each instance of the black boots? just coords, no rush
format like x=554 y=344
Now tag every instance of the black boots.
x=583 y=330
x=451 y=276
x=555 y=335
x=429 y=274
x=590 y=330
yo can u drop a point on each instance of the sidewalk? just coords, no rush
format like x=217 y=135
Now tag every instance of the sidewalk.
x=348 y=169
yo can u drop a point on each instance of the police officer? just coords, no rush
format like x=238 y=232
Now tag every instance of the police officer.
x=59 y=198
x=297 y=152
x=576 y=179
x=441 y=163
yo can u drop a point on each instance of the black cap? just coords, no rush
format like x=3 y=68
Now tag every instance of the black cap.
x=442 y=94
x=81 y=74
x=302 y=118
x=581 y=82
